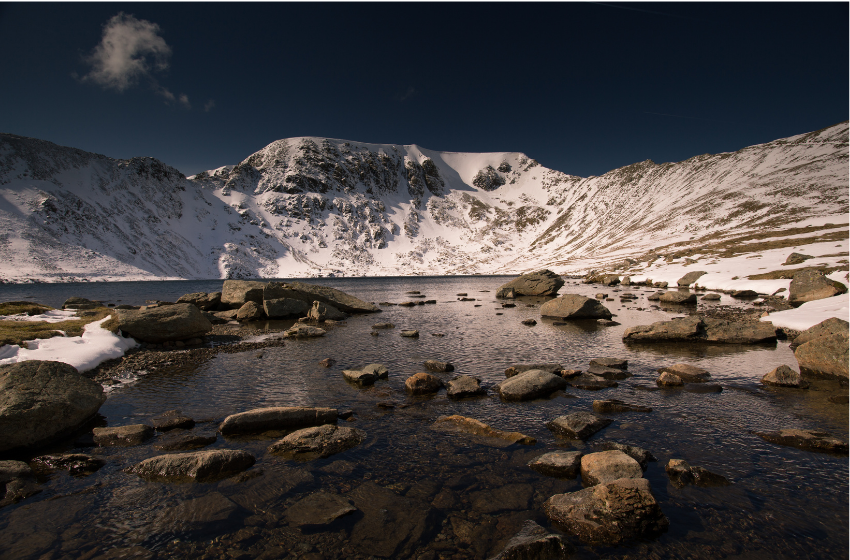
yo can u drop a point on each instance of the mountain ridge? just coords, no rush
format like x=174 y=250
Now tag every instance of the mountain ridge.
x=310 y=206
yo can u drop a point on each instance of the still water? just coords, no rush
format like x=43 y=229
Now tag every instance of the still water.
x=449 y=496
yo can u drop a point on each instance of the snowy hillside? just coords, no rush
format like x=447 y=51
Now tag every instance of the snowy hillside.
x=305 y=207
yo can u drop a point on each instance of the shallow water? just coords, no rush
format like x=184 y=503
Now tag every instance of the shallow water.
x=782 y=503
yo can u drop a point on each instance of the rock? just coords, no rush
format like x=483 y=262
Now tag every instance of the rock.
x=225 y=316
x=304 y=331
x=251 y=311
x=808 y=440
x=560 y=464
x=422 y=384
x=123 y=436
x=410 y=334
x=659 y=285
x=178 y=440
x=516 y=497
x=378 y=370
x=197 y=466
x=327 y=362
x=322 y=312
x=797 y=258
x=276 y=418
x=14 y=469
x=17 y=482
x=520 y=368
x=312 y=292
x=783 y=376
x=607 y=466
x=285 y=307
x=534 y=542
x=202 y=300
x=695 y=328
x=80 y=303
x=682 y=474
x=574 y=306
x=609 y=514
x=590 y=382
x=531 y=384
x=668 y=379
x=318 y=442
x=383 y=326
x=462 y=424
x=607 y=372
x=439 y=367
x=540 y=283
x=41 y=401
x=711 y=297
x=678 y=298
x=320 y=508
x=687 y=373
x=209 y=512
x=568 y=373
x=616 y=363
x=831 y=326
x=811 y=285
x=609 y=279
x=626 y=281
x=77 y=464
x=824 y=356
x=160 y=324
x=506 y=293
x=236 y=293
x=642 y=456
x=465 y=386
x=529 y=322
x=578 y=425
x=690 y=277
x=392 y=526
x=358 y=377
x=614 y=405
x=600 y=296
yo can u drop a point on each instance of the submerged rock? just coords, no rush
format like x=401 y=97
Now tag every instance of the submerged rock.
x=682 y=474
x=462 y=424
x=608 y=372
x=578 y=425
x=560 y=464
x=123 y=436
x=465 y=386
x=687 y=373
x=808 y=440
x=534 y=542
x=318 y=441
x=439 y=367
x=615 y=405
x=171 y=420
x=77 y=464
x=611 y=514
x=616 y=363
x=320 y=508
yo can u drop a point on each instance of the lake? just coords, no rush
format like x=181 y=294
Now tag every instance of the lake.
x=437 y=495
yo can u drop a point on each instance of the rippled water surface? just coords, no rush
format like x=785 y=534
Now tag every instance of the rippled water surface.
x=452 y=496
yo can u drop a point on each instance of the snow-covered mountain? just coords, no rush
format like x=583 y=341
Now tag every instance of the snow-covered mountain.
x=304 y=207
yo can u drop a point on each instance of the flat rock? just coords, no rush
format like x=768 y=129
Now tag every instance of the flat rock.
x=808 y=440
x=410 y=333
x=682 y=474
x=311 y=292
x=123 y=436
x=642 y=456
x=539 y=283
x=614 y=405
x=616 y=363
x=608 y=372
x=383 y=326
x=422 y=384
x=304 y=331
x=711 y=297
x=358 y=377
x=171 y=420
x=438 y=366
x=784 y=376
x=163 y=323
x=510 y=497
x=520 y=368
x=678 y=298
x=320 y=508
x=41 y=401
x=607 y=466
x=578 y=425
x=197 y=514
x=318 y=441
x=590 y=382
x=534 y=542
x=613 y=513
x=276 y=418
x=574 y=306
x=531 y=384
x=461 y=424
x=559 y=464
x=380 y=371
x=687 y=373
x=465 y=386
x=197 y=466
x=703 y=388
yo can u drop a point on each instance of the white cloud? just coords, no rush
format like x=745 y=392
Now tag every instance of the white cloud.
x=131 y=49
x=209 y=105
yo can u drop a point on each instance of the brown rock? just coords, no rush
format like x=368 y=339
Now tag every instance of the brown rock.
x=422 y=384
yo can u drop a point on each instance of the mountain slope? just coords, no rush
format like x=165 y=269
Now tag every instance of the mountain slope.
x=313 y=206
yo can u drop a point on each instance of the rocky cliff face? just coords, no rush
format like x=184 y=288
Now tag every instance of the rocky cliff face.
x=313 y=206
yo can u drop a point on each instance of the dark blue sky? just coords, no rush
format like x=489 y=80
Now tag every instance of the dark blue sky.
x=582 y=88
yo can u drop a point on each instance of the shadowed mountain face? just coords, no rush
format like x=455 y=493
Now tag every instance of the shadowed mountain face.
x=305 y=207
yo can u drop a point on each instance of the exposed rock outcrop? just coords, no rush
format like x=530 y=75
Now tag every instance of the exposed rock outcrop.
x=695 y=328
x=541 y=283
x=162 y=323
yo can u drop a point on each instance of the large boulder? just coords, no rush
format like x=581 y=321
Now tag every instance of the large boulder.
x=574 y=306
x=163 y=323
x=42 y=401
x=285 y=307
x=703 y=329
x=531 y=384
x=609 y=514
x=318 y=441
x=310 y=292
x=202 y=300
x=276 y=418
x=236 y=293
x=831 y=326
x=251 y=311
x=540 y=283
x=690 y=277
x=824 y=356
x=809 y=285
x=197 y=466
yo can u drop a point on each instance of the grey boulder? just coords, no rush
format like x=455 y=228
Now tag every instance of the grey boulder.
x=163 y=323
x=541 y=283
x=464 y=386
x=236 y=293
x=318 y=442
x=531 y=384
x=811 y=285
x=574 y=306
x=311 y=292
x=285 y=307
